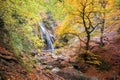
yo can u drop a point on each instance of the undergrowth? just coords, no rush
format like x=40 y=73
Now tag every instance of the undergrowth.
x=93 y=59
x=90 y=58
x=104 y=66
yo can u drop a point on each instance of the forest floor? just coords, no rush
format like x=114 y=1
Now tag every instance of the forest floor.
x=64 y=64
x=61 y=65
x=110 y=53
x=11 y=69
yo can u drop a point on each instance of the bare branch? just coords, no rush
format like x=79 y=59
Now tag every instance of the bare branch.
x=93 y=28
x=76 y=35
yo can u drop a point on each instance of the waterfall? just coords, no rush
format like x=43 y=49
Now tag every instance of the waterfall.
x=47 y=37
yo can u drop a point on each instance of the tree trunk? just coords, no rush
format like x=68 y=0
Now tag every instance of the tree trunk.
x=101 y=37
x=87 y=42
x=102 y=32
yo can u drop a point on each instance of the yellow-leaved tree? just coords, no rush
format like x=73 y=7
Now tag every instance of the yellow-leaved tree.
x=81 y=14
x=105 y=10
x=88 y=17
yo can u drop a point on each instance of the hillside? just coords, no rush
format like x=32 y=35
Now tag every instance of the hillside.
x=11 y=69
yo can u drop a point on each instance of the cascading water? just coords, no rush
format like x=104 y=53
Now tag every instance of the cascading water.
x=47 y=37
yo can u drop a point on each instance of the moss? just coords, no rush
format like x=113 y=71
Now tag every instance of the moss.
x=90 y=58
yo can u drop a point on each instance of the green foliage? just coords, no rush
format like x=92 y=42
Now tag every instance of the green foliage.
x=28 y=62
x=55 y=7
x=16 y=41
x=19 y=18
x=118 y=3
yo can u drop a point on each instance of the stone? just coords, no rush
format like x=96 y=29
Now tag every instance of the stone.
x=94 y=78
x=55 y=70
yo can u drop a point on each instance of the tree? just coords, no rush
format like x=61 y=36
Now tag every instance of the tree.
x=83 y=13
x=91 y=15
x=103 y=4
x=117 y=10
x=106 y=9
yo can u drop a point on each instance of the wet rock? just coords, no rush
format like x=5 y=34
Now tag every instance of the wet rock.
x=49 y=66
x=54 y=56
x=55 y=70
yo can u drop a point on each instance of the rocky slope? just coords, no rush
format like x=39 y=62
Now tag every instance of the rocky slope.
x=11 y=69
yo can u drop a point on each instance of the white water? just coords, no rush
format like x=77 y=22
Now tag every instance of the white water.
x=46 y=36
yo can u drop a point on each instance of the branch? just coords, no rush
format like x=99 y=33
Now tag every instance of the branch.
x=89 y=4
x=90 y=23
x=93 y=28
x=88 y=17
x=76 y=35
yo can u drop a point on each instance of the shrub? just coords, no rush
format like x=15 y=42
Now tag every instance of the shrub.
x=90 y=58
